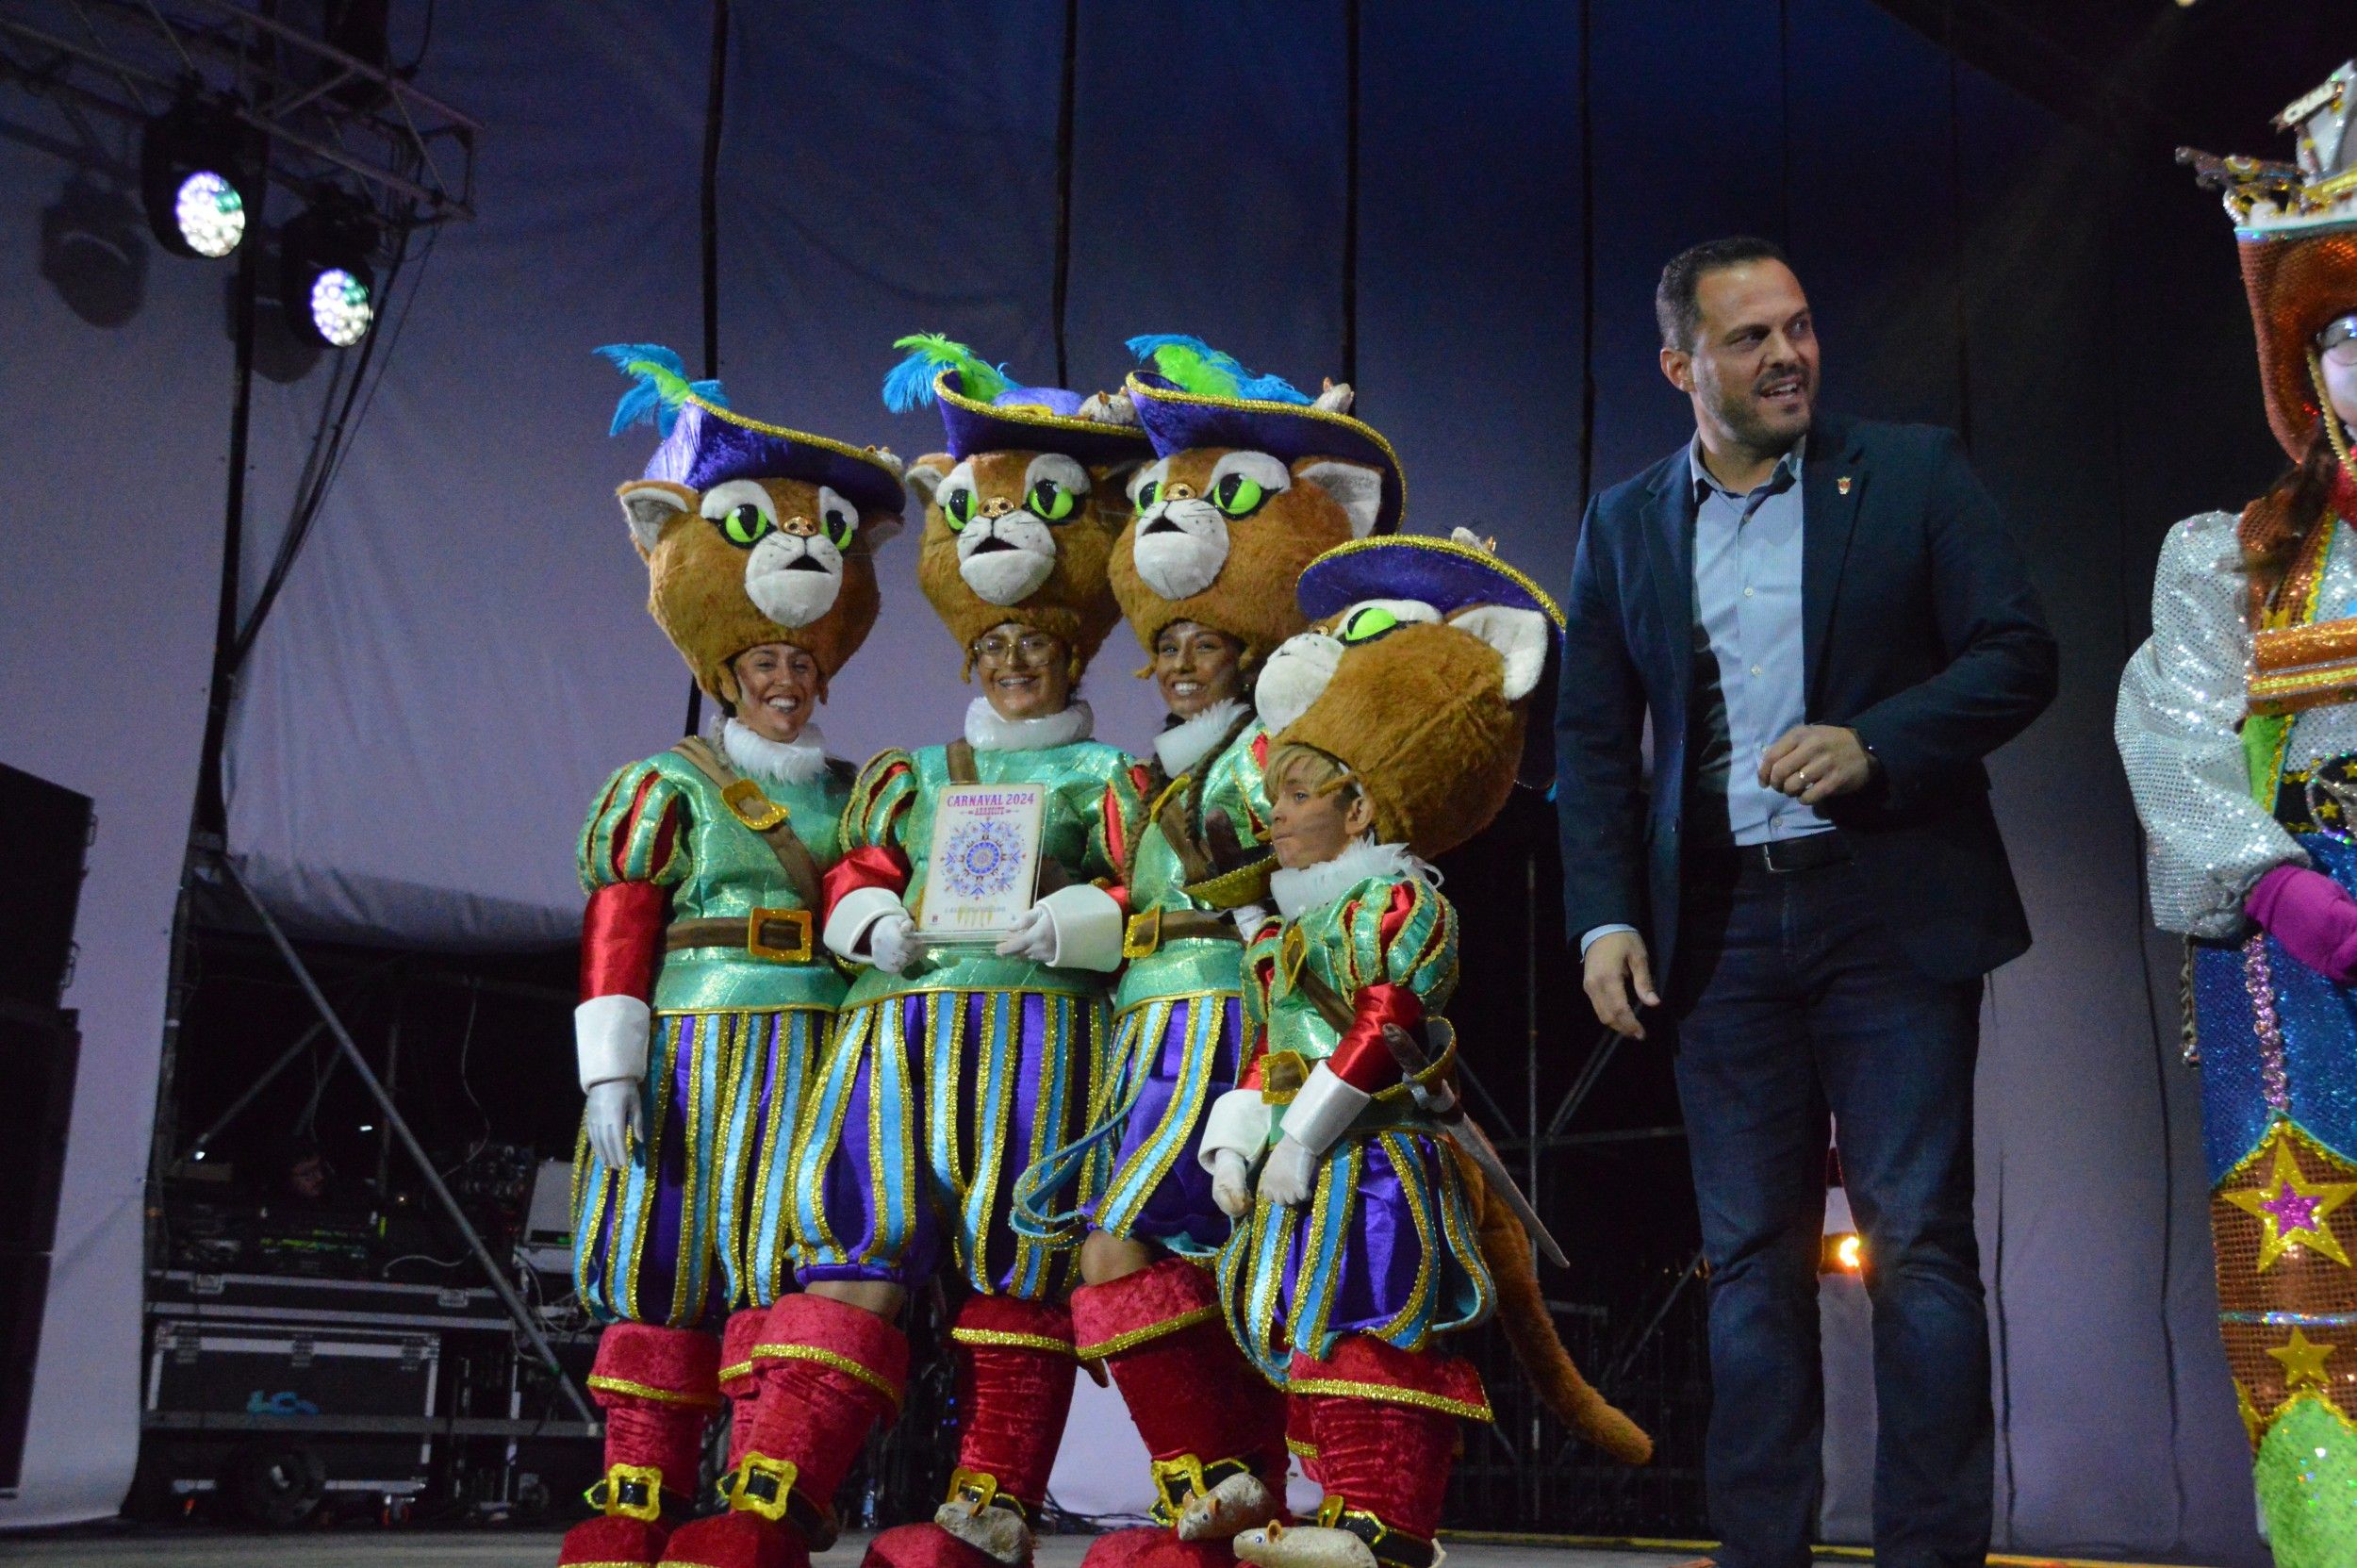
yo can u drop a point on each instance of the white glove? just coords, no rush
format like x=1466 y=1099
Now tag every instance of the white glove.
x=614 y=1117
x=1033 y=936
x=1291 y=1172
x=1232 y=1184
x=892 y=944
x=1249 y=919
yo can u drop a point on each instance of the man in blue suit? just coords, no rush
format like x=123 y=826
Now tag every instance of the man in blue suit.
x=1828 y=628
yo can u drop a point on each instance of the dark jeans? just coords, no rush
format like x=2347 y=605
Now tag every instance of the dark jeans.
x=1790 y=1000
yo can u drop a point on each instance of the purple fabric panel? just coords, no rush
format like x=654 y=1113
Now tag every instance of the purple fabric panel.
x=1180 y=1208
x=1381 y=1252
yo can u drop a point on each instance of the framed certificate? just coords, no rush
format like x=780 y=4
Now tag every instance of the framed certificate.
x=983 y=867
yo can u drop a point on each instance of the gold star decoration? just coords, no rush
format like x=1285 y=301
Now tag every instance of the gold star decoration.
x=2291 y=1209
x=2253 y=1424
x=2303 y=1361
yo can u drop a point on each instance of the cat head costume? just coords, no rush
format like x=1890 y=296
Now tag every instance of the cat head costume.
x=1021 y=510
x=751 y=532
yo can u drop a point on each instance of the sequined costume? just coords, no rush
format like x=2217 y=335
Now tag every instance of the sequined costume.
x=952 y=1070
x=706 y=994
x=1385 y=1248
x=698 y=1225
x=1251 y=480
x=946 y=1082
x=2238 y=724
x=1377 y=1231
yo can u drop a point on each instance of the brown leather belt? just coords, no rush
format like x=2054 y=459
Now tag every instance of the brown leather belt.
x=1147 y=933
x=779 y=935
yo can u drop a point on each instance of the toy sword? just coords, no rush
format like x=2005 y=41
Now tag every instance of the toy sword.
x=1439 y=1100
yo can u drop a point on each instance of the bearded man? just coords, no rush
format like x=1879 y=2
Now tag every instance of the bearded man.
x=1829 y=630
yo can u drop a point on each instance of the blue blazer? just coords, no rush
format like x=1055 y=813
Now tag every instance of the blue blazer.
x=1920 y=630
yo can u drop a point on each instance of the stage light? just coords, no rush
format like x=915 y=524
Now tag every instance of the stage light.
x=199 y=186
x=326 y=286
x=91 y=252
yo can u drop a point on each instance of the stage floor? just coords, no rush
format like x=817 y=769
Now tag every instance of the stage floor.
x=198 y=1548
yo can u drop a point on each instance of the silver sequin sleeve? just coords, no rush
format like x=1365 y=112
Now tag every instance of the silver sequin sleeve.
x=2182 y=699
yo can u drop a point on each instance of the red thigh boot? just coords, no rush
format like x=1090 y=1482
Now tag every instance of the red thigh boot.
x=828 y=1372
x=658 y=1387
x=737 y=1381
x=1213 y=1425
x=1385 y=1425
x=1017 y=1365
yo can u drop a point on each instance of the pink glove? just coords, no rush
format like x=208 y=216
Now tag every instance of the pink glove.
x=2309 y=914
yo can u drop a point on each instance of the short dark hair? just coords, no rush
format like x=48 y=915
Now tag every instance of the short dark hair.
x=1677 y=305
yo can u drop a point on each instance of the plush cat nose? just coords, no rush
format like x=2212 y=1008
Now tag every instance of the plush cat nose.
x=1179 y=492
x=998 y=506
x=801 y=528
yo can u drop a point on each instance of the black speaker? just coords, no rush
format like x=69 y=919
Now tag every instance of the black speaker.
x=39 y=1048
x=23 y=1294
x=45 y=840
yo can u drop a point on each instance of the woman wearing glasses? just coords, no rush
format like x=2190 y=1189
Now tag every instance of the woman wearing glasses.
x=955 y=1066
x=2237 y=722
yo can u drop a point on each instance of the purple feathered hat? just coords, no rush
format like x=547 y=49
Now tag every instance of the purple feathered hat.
x=983 y=410
x=1193 y=395
x=705 y=442
x=1448 y=574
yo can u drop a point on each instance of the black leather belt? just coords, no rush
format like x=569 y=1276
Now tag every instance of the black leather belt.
x=1778 y=857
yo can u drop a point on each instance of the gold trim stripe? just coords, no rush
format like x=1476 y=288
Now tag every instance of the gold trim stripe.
x=743 y=422
x=659 y=1396
x=1343 y=1388
x=1135 y=1337
x=835 y=1359
x=1032 y=414
x=742 y=1369
x=1013 y=1342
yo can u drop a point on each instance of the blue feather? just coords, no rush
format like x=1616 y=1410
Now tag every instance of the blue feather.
x=911 y=382
x=661 y=376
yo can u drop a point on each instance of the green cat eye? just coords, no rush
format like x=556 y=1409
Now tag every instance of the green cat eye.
x=1148 y=493
x=957 y=509
x=746 y=525
x=1238 y=495
x=1368 y=625
x=1050 y=502
x=840 y=526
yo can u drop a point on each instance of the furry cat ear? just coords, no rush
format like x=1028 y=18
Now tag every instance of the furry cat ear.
x=648 y=506
x=1357 y=487
x=1520 y=636
x=925 y=475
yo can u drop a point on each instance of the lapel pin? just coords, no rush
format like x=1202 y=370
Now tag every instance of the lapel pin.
x=1842 y=485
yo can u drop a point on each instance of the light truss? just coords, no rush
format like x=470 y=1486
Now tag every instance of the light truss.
x=328 y=115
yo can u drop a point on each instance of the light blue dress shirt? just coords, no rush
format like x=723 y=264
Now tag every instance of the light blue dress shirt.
x=1747 y=619
x=1750 y=663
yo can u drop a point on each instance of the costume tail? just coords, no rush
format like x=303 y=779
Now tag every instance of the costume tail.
x=1523 y=1313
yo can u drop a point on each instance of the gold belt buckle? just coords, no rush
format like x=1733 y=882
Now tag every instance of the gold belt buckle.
x=1282 y=1074
x=764 y=1485
x=797 y=949
x=1143 y=935
x=751 y=807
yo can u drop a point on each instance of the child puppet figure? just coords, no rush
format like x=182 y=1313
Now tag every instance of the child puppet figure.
x=1366 y=1239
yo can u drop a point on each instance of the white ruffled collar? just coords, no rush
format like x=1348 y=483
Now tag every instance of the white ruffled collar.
x=793 y=762
x=1313 y=887
x=985 y=731
x=1185 y=743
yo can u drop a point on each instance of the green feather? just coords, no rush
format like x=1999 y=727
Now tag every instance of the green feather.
x=929 y=354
